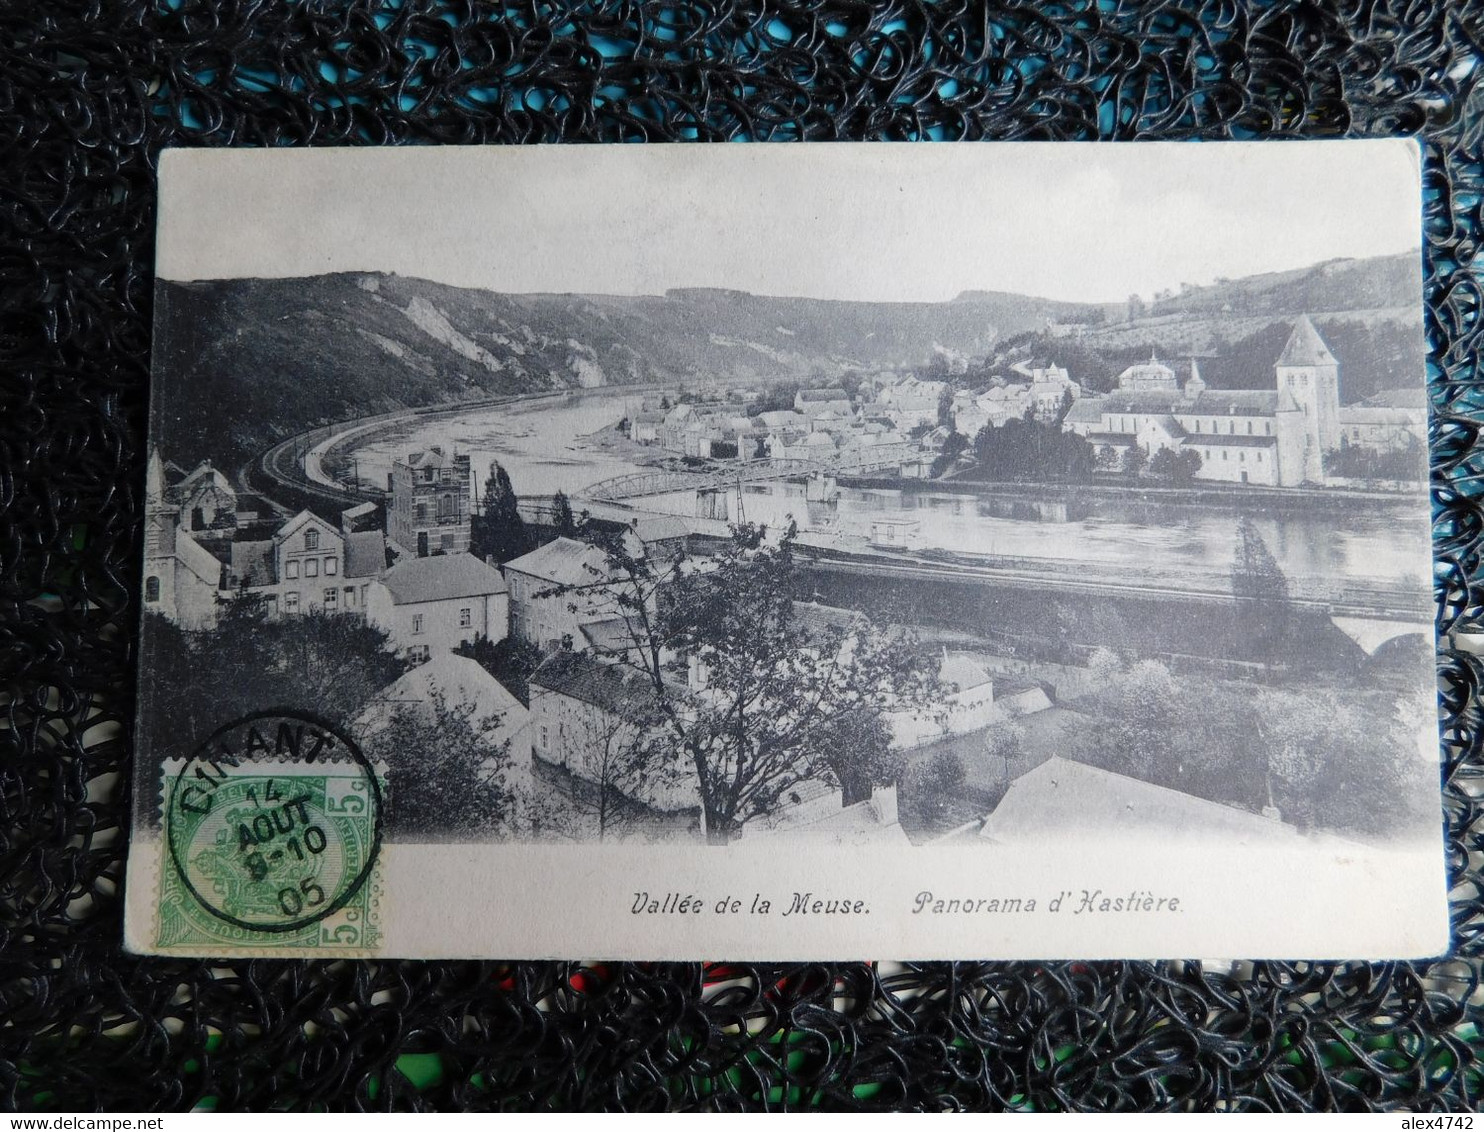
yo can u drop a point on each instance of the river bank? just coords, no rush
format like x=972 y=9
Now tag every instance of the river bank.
x=1233 y=497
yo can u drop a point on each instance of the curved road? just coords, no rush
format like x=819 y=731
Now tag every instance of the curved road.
x=296 y=465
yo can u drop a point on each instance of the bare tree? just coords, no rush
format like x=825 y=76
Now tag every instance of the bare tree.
x=622 y=765
x=447 y=776
x=744 y=691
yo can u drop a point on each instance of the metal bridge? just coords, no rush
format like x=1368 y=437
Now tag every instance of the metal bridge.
x=661 y=482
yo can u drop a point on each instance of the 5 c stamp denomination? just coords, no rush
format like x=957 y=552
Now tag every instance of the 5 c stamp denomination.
x=273 y=833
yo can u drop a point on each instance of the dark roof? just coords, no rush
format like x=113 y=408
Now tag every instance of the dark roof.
x=433 y=458
x=203 y=472
x=1012 y=685
x=820 y=622
x=831 y=394
x=1415 y=398
x=255 y=532
x=563 y=561
x=1143 y=401
x=363 y=517
x=612 y=634
x=252 y=561
x=1209 y=402
x=246 y=501
x=1111 y=437
x=1305 y=347
x=1225 y=440
x=441 y=577
x=615 y=688
x=1235 y=402
x=365 y=554
x=1087 y=410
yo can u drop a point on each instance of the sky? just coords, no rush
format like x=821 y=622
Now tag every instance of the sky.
x=1087 y=222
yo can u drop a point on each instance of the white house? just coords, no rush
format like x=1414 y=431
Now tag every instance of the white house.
x=581 y=722
x=432 y=605
x=180 y=575
x=830 y=399
x=968 y=704
x=971 y=703
x=556 y=589
x=895 y=532
x=493 y=711
x=660 y=538
x=1061 y=798
x=816 y=811
x=644 y=428
x=496 y=716
x=206 y=499
x=308 y=554
x=306 y=565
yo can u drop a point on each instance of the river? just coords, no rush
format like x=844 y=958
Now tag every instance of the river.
x=555 y=458
x=1386 y=544
x=540 y=444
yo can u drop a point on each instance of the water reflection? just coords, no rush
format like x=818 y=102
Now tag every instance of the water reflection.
x=542 y=445
x=1385 y=543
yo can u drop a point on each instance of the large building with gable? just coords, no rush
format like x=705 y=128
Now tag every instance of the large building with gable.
x=197 y=560
x=1276 y=437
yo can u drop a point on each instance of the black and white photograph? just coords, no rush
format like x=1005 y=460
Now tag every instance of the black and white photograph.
x=920 y=515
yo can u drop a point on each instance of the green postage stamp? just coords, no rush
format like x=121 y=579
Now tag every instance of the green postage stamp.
x=272 y=836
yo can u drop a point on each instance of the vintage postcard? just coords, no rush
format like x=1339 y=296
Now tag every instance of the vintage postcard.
x=789 y=552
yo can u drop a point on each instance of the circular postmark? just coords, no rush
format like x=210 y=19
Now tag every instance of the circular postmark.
x=274 y=823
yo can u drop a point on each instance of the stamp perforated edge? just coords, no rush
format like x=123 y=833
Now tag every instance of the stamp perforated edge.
x=371 y=893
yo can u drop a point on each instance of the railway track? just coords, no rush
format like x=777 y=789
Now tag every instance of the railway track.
x=1396 y=606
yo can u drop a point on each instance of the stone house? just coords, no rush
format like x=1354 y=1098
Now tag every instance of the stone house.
x=431 y=503
x=587 y=724
x=429 y=606
x=556 y=589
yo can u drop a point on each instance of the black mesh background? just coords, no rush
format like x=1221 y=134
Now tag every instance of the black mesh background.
x=90 y=92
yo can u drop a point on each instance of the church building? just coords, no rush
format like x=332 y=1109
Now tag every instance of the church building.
x=1276 y=437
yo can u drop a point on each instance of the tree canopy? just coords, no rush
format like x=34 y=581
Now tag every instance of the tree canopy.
x=329 y=663
x=753 y=697
x=446 y=777
x=1029 y=449
x=561 y=515
x=1177 y=467
x=497 y=531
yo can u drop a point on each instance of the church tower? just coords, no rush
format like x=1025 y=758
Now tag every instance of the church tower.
x=1310 y=375
x=160 y=520
x=161 y=516
x=1194 y=386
